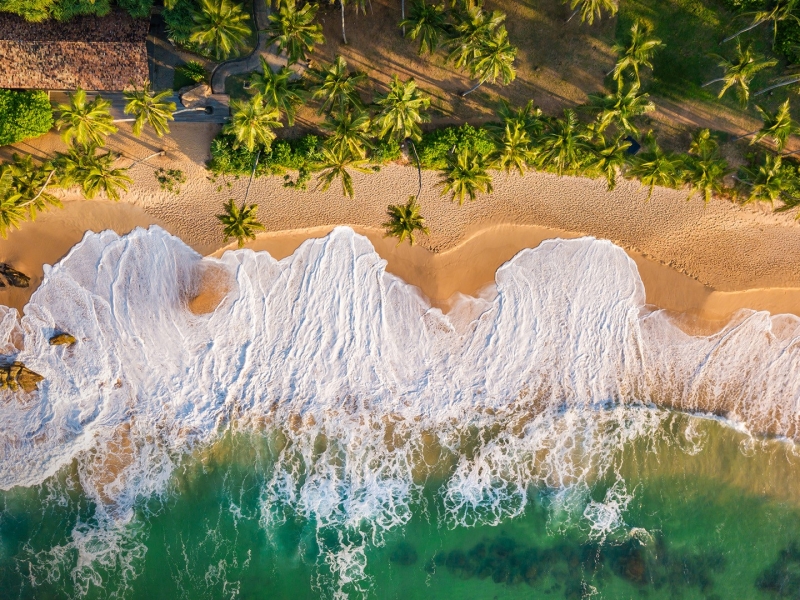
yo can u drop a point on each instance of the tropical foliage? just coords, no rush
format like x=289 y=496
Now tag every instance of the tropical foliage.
x=336 y=86
x=239 y=222
x=428 y=23
x=636 y=53
x=401 y=110
x=281 y=89
x=221 y=28
x=252 y=122
x=149 y=108
x=349 y=132
x=465 y=176
x=293 y=29
x=404 y=221
x=85 y=122
x=336 y=164
x=739 y=71
x=23 y=115
x=592 y=9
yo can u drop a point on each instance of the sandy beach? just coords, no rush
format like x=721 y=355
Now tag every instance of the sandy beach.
x=703 y=260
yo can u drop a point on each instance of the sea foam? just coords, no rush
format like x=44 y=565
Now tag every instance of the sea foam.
x=367 y=387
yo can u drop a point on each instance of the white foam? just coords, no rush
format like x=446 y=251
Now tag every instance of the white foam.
x=540 y=384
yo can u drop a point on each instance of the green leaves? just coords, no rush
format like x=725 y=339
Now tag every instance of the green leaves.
x=465 y=176
x=404 y=221
x=279 y=89
x=252 y=122
x=149 y=108
x=85 y=122
x=637 y=53
x=428 y=23
x=402 y=109
x=23 y=115
x=337 y=87
x=294 y=31
x=240 y=223
x=221 y=28
x=335 y=164
x=740 y=70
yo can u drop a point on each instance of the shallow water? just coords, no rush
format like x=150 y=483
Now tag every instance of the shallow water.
x=325 y=433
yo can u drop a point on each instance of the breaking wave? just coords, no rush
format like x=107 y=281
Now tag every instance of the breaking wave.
x=364 y=390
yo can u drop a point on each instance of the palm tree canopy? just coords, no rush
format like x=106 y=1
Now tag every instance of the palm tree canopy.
x=278 y=89
x=404 y=221
x=350 y=132
x=740 y=71
x=426 y=22
x=293 y=29
x=777 y=12
x=402 y=109
x=529 y=117
x=12 y=213
x=29 y=183
x=638 y=52
x=221 y=28
x=620 y=108
x=252 y=122
x=566 y=145
x=83 y=121
x=473 y=26
x=149 y=108
x=658 y=168
x=778 y=125
x=495 y=61
x=512 y=149
x=768 y=181
x=240 y=223
x=335 y=164
x=606 y=158
x=591 y=9
x=465 y=176
x=336 y=86
x=103 y=177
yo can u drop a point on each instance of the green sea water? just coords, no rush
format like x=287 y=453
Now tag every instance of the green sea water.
x=716 y=516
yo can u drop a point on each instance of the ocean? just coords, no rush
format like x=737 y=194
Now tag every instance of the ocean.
x=325 y=433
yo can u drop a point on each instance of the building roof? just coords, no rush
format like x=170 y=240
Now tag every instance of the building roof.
x=94 y=53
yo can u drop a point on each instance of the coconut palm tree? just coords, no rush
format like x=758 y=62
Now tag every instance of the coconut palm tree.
x=221 y=28
x=637 y=53
x=12 y=213
x=767 y=181
x=473 y=26
x=778 y=126
x=83 y=121
x=360 y=5
x=512 y=149
x=606 y=159
x=350 y=132
x=565 y=146
x=30 y=182
x=591 y=9
x=404 y=221
x=465 y=176
x=252 y=122
x=426 y=22
x=704 y=168
x=239 y=223
x=620 y=108
x=496 y=61
x=336 y=164
x=336 y=86
x=778 y=11
x=103 y=177
x=278 y=89
x=294 y=30
x=740 y=71
x=529 y=117
x=657 y=168
x=401 y=110
x=149 y=108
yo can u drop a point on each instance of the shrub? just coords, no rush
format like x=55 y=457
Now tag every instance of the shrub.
x=436 y=145
x=193 y=71
x=385 y=151
x=742 y=5
x=138 y=9
x=23 y=115
x=180 y=20
x=64 y=10
x=32 y=10
x=787 y=41
x=300 y=155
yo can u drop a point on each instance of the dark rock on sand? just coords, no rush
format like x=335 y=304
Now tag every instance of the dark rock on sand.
x=62 y=339
x=12 y=277
x=17 y=376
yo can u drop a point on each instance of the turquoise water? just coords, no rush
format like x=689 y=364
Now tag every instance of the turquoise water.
x=705 y=512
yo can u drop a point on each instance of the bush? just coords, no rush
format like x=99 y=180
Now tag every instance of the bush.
x=385 y=152
x=180 y=20
x=300 y=155
x=23 y=115
x=193 y=71
x=138 y=9
x=64 y=10
x=32 y=10
x=437 y=145
x=787 y=42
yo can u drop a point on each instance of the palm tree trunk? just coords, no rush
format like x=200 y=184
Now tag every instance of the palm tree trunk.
x=344 y=35
x=744 y=135
x=577 y=10
x=154 y=154
x=252 y=174
x=419 y=167
x=472 y=89
x=403 y=14
x=746 y=29
x=713 y=81
x=776 y=86
x=41 y=191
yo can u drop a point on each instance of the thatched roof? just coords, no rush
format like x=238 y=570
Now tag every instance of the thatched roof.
x=95 y=53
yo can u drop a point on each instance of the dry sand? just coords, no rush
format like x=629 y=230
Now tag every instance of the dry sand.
x=705 y=260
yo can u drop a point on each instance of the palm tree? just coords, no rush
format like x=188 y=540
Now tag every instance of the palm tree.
x=335 y=164
x=221 y=28
x=293 y=30
x=252 y=122
x=767 y=181
x=529 y=117
x=620 y=108
x=778 y=126
x=465 y=176
x=638 y=53
x=704 y=169
x=12 y=213
x=473 y=26
x=590 y=9
x=85 y=122
x=426 y=22
x=513 y=149
x=657 y=168
x=781 y=10
x=30 y=183
x=239 y=223
x=566 y=145
x=361 y=5
x=278 y=89
x=149 y=108
x=607 y=158
x=103 y=177
x=350 y=132
x=496 y=61
x=402 y=109
x=740 y=71
x=404 y=221
x=336 y=86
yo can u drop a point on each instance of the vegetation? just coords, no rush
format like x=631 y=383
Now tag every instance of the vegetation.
x=252 y=122
x=221 y=28
x=592 y=9
x=23 y=115
x=85 y=122
x=428 y=23
x=170 y=180
x=239 y=222
x=466 y=175
x=636 y=52
x=739 y=72
x=149 y=108
x=279 y=90
x=336 y=164
x=194 y=71
x=401 y=111
x=404 y=221
x=337 y=86
x=293 y=29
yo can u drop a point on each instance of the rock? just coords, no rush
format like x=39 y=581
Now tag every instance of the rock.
x=195 y=96
x=62 y=339
x=13 y=277
x=16 y=376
